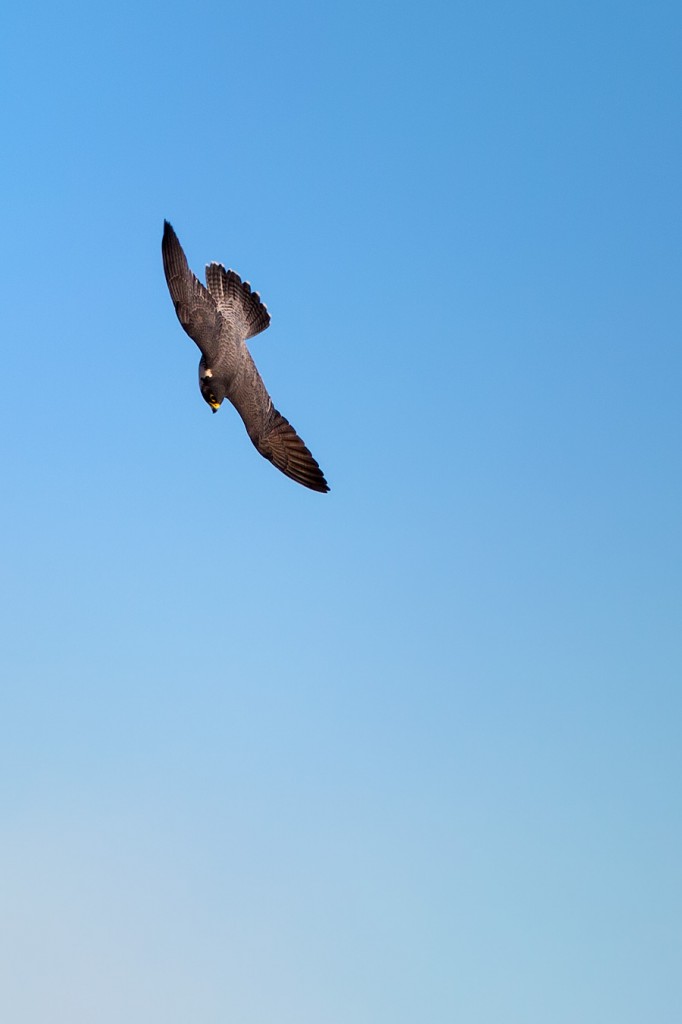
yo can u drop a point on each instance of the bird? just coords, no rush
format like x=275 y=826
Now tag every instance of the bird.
x=219 y=318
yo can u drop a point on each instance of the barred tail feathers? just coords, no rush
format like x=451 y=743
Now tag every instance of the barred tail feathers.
x=235 y=298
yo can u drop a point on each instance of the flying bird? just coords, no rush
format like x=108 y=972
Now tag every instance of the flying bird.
x=219 y=318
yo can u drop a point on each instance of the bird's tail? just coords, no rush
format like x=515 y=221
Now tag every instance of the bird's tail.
x=234 y=296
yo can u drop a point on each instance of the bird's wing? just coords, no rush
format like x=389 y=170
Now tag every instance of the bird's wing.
x=271 y=433
x=196 y=309
x=285 y=449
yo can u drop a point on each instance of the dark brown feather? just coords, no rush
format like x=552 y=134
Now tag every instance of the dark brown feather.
x=285 y=449
x=195 y=308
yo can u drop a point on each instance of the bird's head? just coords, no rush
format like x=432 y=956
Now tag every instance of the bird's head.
x=212 y=391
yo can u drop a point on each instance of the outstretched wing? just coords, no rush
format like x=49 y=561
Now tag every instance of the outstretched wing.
x=196 y=309
x=285 y=449
x=271 y=433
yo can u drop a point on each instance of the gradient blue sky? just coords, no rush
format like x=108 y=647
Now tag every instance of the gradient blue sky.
x=409 y=751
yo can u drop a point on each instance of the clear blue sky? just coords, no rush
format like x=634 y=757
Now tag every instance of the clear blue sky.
x=408 y=752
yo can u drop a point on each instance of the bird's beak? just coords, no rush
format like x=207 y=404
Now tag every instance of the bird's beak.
x=215 y=406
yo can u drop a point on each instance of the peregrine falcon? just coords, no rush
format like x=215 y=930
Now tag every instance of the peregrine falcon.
x=219 y=319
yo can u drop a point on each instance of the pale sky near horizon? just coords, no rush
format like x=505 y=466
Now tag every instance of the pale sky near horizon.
x=409 y=751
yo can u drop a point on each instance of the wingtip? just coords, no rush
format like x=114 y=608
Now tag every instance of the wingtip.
x=320 y=486
x=307 y=478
